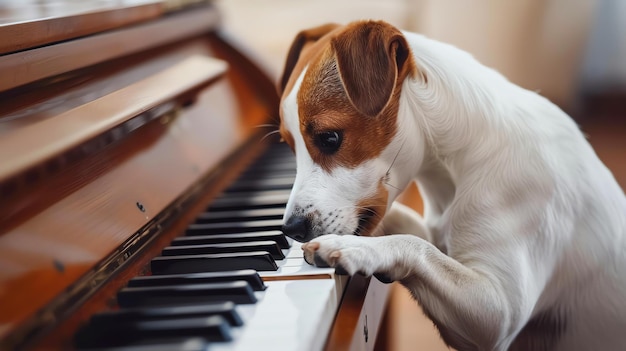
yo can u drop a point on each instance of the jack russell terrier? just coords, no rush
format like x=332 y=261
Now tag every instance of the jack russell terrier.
x=523 y=241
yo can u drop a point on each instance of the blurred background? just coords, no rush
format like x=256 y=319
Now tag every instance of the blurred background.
x=571 y=51
x=563 y=48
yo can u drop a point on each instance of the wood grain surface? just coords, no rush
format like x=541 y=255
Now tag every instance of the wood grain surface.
x=67 y=225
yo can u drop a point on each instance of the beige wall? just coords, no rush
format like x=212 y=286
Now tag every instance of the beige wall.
x=270 y=26
x=538 y=44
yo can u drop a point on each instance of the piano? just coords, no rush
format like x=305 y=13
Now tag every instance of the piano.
x=142 y=191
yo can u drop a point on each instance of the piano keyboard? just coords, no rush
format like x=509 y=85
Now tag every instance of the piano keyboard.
x=232 y=282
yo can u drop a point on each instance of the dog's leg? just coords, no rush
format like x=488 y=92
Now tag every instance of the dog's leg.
x=470 y=304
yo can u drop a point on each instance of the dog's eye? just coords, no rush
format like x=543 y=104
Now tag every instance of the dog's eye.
x=328 y=142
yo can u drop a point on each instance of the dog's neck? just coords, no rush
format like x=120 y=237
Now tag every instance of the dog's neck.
x=453 y=106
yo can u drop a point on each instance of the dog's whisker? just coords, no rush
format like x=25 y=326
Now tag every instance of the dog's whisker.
x=395 y=158
x=266 y=125
x=269 y=134
x=359 y=207
x=393 y=186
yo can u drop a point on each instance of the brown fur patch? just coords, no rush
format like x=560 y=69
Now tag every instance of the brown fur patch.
x=304 y=47
x=377 y=204
x=331 y=99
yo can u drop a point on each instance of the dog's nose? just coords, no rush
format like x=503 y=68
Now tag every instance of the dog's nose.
x=297 y=228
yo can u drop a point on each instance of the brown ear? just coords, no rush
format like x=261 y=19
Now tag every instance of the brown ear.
x=301 y=39
x=370 y=56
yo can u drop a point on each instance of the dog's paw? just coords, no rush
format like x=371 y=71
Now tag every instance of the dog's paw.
x=346 y=253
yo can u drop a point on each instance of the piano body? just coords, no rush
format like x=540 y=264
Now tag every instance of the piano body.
x=140 y=205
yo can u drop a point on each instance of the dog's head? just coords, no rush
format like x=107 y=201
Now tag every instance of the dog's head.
x=341 y=89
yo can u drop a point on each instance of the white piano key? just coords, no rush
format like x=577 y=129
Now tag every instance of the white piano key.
x=290 y=316
x=294 y=266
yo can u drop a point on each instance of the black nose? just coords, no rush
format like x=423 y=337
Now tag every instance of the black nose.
x=297 y=228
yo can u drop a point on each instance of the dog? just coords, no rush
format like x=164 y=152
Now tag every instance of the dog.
x=522 y=245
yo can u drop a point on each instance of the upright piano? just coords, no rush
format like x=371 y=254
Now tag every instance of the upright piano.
x=142 y=190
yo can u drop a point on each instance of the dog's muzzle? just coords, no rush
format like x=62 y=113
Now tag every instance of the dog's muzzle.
x=298 y=227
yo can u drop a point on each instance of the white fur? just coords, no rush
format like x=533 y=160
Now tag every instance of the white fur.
x=521 y=217
x=341 y=189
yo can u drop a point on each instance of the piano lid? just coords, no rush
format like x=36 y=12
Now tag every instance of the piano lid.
x=51 y=48
x=28 y=24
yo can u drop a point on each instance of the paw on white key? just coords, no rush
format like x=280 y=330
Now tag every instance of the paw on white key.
x=348 y=254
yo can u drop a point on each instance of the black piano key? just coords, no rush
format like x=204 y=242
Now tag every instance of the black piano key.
x=237 y=292
x=269 y=246
x=274 y=235
x=242 y=226
x=252 y=174
x=278 y=183
x=277 y=152
x=251 y=200
x=257 y=260
x=248 y=275
x=225 y=309
x=272 y=166
x=188 y=344
x=250 y=215
x=214 y=328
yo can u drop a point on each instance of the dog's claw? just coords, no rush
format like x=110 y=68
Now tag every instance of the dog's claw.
x=310 y=252
x=319 y=262
x=307 y=260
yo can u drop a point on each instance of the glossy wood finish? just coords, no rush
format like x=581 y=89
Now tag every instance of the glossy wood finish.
x=26 y=24
x=60 y=337
x=29 y=66
x=358 y=321
x=38 y=143
x=68 y=225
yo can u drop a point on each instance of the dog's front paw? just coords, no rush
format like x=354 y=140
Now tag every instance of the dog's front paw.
x=347 y=254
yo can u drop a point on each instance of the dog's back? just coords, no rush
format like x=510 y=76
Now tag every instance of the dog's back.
x=583 y=305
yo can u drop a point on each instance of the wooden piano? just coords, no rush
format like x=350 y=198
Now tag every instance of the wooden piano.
x=140 y=206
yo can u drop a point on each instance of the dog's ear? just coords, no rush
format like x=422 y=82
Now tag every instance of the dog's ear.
x=305 y=36
x=370 y=55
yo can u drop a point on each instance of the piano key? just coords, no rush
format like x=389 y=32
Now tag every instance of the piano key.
x=248 y=275
x=269 y=246
x=274 y=235
x=274 y=157
x=252 y=175
x=242 y=215
x=237 y=292
x=224 y=309
x=251 y=200
x=242 y=226
x=191 y=344
x=251 y=215
x=277 y=152
x=290 y=315
x=272 y=166
x=258 y=260
x=214 y=328
x=278 y=183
